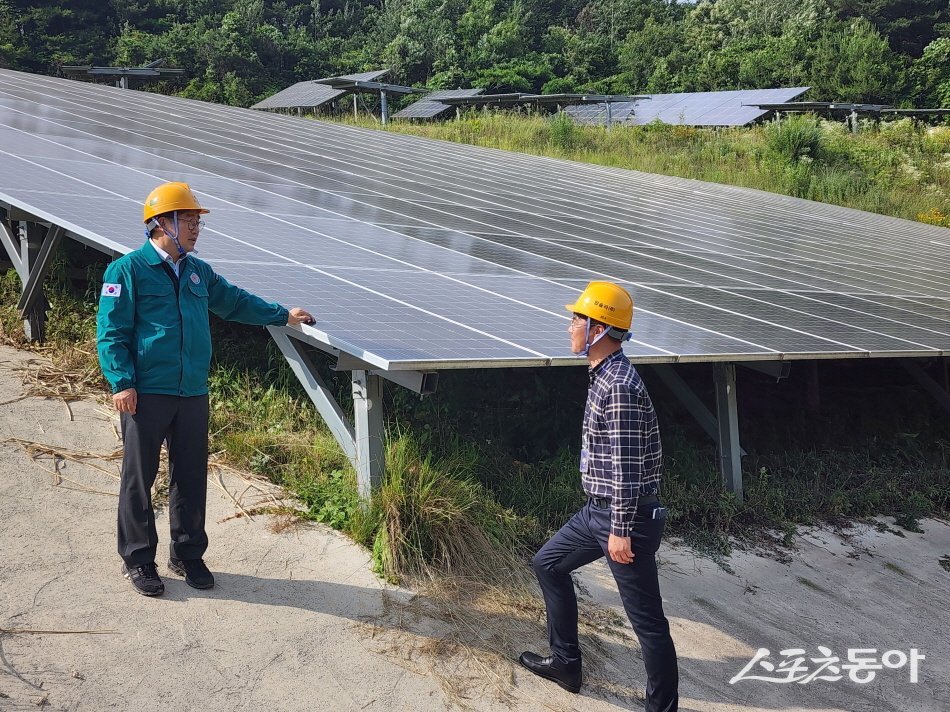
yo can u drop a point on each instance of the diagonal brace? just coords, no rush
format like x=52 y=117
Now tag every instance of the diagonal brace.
x=13 y=250
x=363 y=441
x=672 y=380
x=306 y=372
x=33 y=285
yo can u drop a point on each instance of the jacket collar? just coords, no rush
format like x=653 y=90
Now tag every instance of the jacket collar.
x=153 y=258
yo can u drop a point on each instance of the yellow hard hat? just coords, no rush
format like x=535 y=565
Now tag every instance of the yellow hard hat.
x=607 y=303
x=169 y=197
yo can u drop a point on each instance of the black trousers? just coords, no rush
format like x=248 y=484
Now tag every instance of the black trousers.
x=583 y=540
x=183 y=422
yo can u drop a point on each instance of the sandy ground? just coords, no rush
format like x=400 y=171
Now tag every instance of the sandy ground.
x=299 y=622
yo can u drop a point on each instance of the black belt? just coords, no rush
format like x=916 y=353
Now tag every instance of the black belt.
x=646 y=500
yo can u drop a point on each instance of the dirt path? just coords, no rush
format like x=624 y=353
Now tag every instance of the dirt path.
x=298 y=621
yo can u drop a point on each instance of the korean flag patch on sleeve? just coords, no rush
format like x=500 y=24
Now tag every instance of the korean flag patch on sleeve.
x=111 y=290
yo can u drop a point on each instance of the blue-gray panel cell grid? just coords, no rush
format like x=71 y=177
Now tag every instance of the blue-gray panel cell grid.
x=415 y=253
x=429 y=107
x=709 y=108
x=311 y=94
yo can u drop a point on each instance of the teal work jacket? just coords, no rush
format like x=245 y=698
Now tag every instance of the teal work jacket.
x=158 y=340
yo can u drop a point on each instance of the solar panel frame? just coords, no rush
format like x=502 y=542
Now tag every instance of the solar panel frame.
x=313 y=93
x=419 y=233
x=716 y=108
x=429 y=106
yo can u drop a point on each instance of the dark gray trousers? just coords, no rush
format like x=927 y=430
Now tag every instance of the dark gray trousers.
x=583 y=540
x=183 y=422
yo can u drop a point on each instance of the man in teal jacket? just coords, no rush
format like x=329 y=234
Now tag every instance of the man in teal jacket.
x=154 y=345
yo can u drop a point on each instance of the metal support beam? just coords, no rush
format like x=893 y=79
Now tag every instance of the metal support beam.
x=15 y=214
x=31 y=244
x=33 y=287
x=776 y=369
x=927 y=383
x=685 y=395
x=11 y=244
x=364 y=443
x=730 y=464
x=368 y=414
x=383 y=107
x=306 y=372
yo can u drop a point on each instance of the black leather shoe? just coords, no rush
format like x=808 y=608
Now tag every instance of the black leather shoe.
x=567 y=676
x=194 y=570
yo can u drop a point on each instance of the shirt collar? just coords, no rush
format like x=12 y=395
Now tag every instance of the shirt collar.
x=164 y=255
x=615 y=356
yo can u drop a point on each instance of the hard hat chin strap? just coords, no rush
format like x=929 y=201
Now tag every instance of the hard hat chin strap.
x=153 y=223
x=610 y=331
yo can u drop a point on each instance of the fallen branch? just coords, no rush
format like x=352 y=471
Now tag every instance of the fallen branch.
x=24 y=631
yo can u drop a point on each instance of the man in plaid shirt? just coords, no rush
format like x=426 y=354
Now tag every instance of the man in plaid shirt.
x=621 y=467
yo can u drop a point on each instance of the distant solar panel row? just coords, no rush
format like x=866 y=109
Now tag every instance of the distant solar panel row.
x=422 y=254
x=312 y=94
x=429 y=107
x=711 y=108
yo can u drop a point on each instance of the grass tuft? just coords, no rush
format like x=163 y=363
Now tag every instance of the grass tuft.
x=437 y=519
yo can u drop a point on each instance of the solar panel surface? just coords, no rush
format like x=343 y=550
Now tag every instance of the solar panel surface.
x=710 y=108
x=423 y=254
x=429 y=107
x=312 y=93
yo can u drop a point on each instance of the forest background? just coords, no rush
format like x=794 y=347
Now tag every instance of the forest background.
x=238 y=51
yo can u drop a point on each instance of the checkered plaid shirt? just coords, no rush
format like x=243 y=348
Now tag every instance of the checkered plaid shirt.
x=622 y=438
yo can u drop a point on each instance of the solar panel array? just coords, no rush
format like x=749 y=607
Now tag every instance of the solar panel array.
x=707 y=108
x=429 y=107
x=311 y=94
x=415 y=253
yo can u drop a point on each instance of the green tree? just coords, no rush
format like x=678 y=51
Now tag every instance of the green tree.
x=931 y=75
x=908 y=25
x=854 y=63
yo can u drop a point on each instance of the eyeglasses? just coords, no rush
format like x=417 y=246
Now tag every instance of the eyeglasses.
x=578 y=320
x=193 y=223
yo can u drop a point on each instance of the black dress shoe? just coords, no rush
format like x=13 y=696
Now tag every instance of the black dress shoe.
x=567 y=675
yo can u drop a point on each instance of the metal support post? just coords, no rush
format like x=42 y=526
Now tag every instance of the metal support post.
x=10 y=239
x=364 y=444
x=356 y=115
x=730 y=464
x=33 y=287
x=685 y=395
x=609 y=116
x=31 y=244
x=383 y=107
x=368 y=414
x=813 y=390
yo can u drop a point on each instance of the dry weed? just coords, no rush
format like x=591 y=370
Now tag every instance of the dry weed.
x=468 y=636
